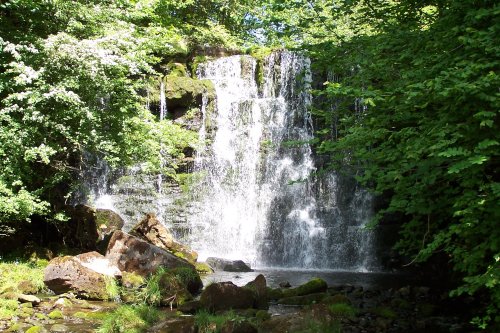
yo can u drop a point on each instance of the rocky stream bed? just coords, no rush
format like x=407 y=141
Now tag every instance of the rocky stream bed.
x=148 y=266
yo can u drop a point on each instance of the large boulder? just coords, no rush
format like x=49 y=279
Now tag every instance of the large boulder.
x=172 y=290
x=132 y=254
x=64 y=274
x=223 y=296
x=259 y=289
x=220 y=264
x=153 y=231
x=98 y=263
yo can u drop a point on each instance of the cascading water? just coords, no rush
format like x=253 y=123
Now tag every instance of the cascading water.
x=259 y=200
x=256 y=196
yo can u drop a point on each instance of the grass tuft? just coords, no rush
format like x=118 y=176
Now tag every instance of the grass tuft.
x=130 y=319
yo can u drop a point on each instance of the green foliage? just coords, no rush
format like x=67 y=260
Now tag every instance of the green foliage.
x=71 y=79
x=8 y=308
x=412 y=110
x=384 y=312
x=130 y=319
x=342 y=310
x=151 y=293
x=210 y=323
x=112 y=288
x=14 y=273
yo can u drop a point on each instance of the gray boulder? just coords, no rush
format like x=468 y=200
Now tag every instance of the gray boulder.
x=220 y=264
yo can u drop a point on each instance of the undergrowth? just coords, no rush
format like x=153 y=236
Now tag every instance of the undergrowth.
x=130 y=319
x=15 y=272
x=210 y=323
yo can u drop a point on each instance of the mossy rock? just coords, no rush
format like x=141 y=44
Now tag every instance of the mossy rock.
x=203 y=269
x=342 y=310
x=16 y=327
x=41 y=316
x=175 y=69
x=59 y=328
x=400 y=303
x=107 y=221
x=28 y=311
x=186 y=92
x=274 y=294
x=315 y=285
x=173 y=290
x=36 y=329
x=56 y=314
x=189 y=278
x=27 y=287
x=132 y=280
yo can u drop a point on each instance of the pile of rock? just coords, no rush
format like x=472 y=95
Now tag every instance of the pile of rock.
x=147 y=247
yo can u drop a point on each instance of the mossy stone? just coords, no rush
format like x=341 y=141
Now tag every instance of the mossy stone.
x=132 y=280
x=203 y=268
x=384 y=312
x=274 y=294
x=16 y=327
x=312 y=286
x=41 y=316
x=28 y=311
x=36 y=329
x=59 y=328
x=176 y=69
x=56 y=314
x=185 y=91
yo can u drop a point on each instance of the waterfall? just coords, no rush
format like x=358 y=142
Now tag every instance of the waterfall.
x=254 y=193
x=260 y=200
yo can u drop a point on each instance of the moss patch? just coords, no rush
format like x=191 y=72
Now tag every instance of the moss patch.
x=315 y=285
x=203 y=268
x=56 y=314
